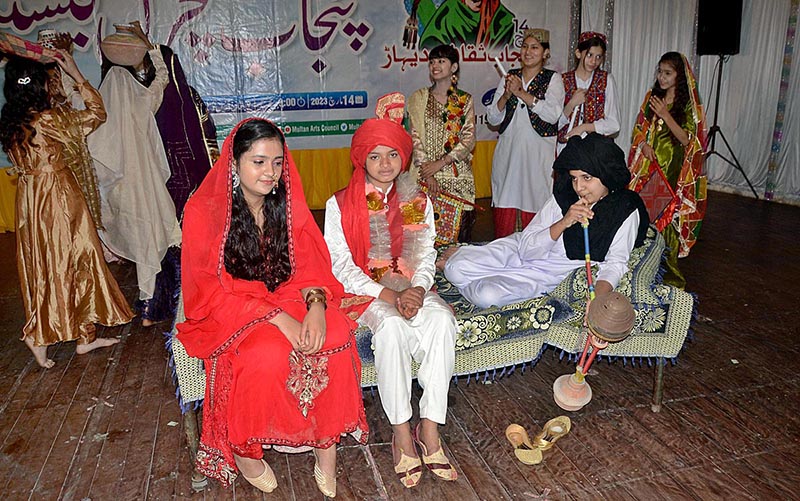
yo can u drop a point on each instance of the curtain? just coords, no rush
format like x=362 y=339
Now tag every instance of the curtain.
x=748 y=97
x=787 y=185
x=643 y=31
x=593 y=15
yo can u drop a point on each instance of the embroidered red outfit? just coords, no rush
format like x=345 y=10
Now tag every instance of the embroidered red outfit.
x=593 y=108
x=259 y=391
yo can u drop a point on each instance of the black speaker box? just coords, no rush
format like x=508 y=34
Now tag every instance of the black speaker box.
x=719 y=27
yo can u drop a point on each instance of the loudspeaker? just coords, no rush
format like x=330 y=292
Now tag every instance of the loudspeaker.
x=719 y=27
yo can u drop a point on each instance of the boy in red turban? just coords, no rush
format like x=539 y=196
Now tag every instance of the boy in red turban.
x=380 y=232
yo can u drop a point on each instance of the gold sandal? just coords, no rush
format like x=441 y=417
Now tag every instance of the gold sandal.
x=523 y=448
x=408 y=470
x=437 y=462
x=266 y=482
x=552 y=431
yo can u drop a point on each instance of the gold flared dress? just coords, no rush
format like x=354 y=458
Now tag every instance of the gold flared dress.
x=66 y=285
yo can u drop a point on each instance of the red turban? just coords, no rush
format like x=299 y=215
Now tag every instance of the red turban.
x=386 y=130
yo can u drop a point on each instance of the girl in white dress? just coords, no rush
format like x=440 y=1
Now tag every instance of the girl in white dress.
x=526 y=107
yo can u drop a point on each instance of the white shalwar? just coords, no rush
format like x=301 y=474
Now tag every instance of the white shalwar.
x=429 y=337
x=530 y=263
x=609 y=124
x=132 y=172
x=522 y=166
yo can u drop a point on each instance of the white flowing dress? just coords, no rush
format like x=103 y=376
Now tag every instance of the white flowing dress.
x=522 y=167
x=132 y=171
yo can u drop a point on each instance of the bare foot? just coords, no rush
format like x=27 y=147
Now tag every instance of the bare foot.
x=447 y=254
x=39 y=353
x=101 y=342
x=146 y=322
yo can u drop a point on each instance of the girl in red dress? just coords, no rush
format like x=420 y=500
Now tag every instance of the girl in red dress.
x=262 y=311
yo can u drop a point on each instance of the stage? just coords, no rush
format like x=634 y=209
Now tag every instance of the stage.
x=106 y=425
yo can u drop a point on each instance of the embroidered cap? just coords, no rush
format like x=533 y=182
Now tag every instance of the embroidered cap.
x=540 y=34
x=587 y=35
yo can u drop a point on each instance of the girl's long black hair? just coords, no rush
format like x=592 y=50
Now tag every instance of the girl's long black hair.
x=25 y=90
x=253 y=253
x=678 y=110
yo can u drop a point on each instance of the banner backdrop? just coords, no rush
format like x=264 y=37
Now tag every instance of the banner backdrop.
x=316 y=67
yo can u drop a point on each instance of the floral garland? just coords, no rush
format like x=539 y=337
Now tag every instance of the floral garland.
x=391 y=271
x=454 y=117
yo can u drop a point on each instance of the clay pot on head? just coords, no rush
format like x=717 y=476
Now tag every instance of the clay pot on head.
x=124 y=47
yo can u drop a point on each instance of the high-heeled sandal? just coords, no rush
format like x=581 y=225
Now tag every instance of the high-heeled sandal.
x=266 y=482
x=437 y=462
x=523 y=448
x=408 y=469
x=325 y=483
x=552 y=431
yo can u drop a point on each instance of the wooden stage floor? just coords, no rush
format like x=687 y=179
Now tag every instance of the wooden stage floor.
x=107 y=426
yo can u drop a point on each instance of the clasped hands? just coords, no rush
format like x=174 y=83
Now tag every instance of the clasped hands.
x=408 y=301
x=513 y=86
x=307 y=337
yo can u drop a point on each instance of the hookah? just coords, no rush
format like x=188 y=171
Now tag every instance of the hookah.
x=609 y=319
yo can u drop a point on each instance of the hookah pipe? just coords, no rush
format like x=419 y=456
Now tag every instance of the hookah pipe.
x=581 y=370
x=608 y=319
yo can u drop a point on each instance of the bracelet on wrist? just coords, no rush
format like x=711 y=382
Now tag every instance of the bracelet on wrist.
x=317 y=299
x=314 y=292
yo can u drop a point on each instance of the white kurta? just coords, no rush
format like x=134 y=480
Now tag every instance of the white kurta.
x=522 y=167
x=609 y=124
x=429 y=337
x=530 y=263
x=132 y=171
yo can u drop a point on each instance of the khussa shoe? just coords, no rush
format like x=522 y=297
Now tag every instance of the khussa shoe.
x=325 y=483
x=552 y=431
x=523 y=448
x=266 y=482
x=437 y=462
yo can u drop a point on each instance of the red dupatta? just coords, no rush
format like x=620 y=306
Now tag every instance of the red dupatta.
x=221 y=311
x=220 y=308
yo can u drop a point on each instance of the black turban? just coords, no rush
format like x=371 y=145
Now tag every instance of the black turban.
x=599 y=157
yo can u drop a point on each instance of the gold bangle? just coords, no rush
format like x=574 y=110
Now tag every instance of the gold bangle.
x=315 y=291
x=316 y=299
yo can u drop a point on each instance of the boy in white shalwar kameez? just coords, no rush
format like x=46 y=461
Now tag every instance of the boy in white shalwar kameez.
x=591 y=184
x=380 y=232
